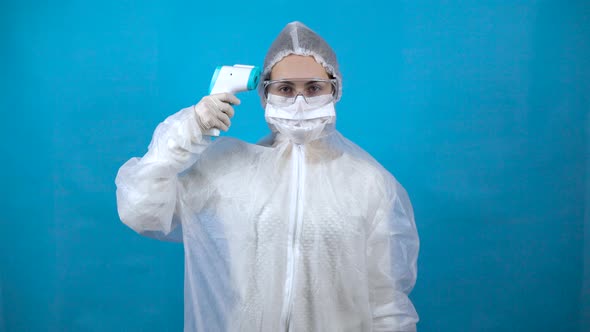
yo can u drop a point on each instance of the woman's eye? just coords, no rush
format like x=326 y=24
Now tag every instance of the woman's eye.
x=285 y=89
x=314 y=88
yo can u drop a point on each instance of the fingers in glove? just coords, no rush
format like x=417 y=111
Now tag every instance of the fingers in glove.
x=224 y=119
x=220 y=124
x=209 y=122
x=223 y=106
x=227 y=97
x=227 y=109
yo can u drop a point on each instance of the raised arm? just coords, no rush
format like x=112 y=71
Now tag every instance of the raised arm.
x=148 y=189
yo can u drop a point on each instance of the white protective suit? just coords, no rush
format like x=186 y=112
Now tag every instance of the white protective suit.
x=277 y=236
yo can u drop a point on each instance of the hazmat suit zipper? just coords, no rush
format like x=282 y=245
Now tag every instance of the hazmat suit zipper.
x=295 y=223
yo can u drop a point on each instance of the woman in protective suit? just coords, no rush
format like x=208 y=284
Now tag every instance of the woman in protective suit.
x=302 y=232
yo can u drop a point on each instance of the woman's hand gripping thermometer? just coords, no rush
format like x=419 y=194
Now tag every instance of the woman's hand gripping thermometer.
x=233 y=79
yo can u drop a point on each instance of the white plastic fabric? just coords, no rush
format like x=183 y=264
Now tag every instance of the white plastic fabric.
x=320 y=225
x=277 y=236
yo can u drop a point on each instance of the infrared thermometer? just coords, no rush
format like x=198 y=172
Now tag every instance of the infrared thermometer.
x=233 y=79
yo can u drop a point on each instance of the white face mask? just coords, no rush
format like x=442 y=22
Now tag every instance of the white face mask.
x=300 y=122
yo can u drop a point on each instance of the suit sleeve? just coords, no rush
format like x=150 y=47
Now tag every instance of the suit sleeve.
x=149 y=190
x=392 y=251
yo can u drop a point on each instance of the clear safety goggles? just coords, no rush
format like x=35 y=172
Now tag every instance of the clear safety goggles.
x=316 y=92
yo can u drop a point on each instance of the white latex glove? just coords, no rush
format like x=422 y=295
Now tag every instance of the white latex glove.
x=215 y=111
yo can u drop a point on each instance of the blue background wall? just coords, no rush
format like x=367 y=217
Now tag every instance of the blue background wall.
x=481 y=110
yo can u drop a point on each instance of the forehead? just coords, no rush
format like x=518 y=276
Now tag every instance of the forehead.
x=297 y=66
